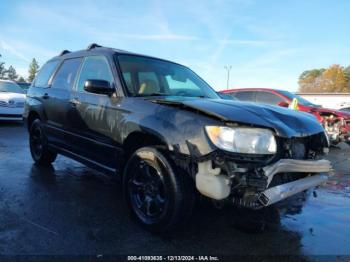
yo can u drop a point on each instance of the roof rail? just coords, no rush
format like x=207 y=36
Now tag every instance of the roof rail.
x=92 y=46
x=64 y=52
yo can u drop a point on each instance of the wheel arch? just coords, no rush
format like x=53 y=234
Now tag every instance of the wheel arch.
x=138 y=139
x=32 y=116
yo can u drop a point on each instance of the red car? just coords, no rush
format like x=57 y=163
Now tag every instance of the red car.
x=336 y=123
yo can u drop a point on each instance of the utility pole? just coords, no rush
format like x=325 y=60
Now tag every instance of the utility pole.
x=228 y=68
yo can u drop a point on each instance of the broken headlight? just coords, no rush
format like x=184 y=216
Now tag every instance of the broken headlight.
x=242 y=139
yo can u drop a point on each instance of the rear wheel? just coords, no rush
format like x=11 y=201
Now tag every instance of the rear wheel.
x=159 y=196
x=38 y=145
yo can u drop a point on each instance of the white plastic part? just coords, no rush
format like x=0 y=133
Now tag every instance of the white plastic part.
x=210 y=183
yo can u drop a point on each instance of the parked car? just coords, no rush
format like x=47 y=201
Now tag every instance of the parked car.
x=345 y=106
x=335 y=122
x=345 y=109
x=168 y=135
x=12 y=100
x=24 y=85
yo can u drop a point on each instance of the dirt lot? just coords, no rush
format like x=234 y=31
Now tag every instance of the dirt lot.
x=71 y=209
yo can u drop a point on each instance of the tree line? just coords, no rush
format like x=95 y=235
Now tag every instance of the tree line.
x=334 y=79
x=10 y=73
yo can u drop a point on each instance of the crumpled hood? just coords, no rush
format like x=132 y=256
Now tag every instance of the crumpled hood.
x=285 y=122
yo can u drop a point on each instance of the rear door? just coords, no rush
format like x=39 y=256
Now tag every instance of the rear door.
x=56 y=100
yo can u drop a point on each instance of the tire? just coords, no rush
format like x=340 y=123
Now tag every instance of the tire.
x=38 y=145
x=159 y=196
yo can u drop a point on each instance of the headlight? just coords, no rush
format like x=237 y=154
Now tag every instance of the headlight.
x=243 y=139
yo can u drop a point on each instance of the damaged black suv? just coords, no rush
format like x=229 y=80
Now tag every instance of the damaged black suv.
x=168 y=135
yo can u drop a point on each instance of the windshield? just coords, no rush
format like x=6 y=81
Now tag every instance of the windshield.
x=10 y=87
x=23 y=85
x=301 y=100
x=153 y=77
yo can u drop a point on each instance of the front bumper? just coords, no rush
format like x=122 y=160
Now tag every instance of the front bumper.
x=278 y=193
x=318 y=173
x=296 y=166
x=11 y=113
x=212 y=183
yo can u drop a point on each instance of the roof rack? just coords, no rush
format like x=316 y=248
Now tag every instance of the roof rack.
x=64 y=52
x=92 y=46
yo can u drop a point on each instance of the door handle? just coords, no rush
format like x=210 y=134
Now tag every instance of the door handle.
x=46 y=96
x=74 y=102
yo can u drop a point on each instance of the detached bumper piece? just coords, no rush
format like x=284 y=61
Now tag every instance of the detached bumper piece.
x=211 y=182
x=277 y=193
x=297 y=166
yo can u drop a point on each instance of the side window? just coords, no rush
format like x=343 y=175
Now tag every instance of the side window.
x=64 y=79
x=45 y=73
x=94 y=67
x=245 y=96
x=268 y=98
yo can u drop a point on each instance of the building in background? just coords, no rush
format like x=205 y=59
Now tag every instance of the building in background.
x=328 y=100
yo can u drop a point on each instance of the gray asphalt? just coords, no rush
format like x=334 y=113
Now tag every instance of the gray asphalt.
x=71 y=209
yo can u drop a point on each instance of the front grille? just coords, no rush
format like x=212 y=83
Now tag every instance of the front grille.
x=19 y=104
x=13 y=105
x=309 y=147
x=296 y=148
x=4 y=104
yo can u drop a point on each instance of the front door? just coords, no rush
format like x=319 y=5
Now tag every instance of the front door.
x=92 y=117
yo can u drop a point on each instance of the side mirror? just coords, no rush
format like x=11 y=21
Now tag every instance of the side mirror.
x=95 y=86
x=283 y=104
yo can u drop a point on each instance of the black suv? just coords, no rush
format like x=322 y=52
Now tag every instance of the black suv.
x=168 y=135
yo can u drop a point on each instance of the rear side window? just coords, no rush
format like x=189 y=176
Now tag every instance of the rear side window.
x=268 y=98
x=227 y=96
x=94 y=68
x=43 y=77
x=245 y=96
x=64 y=79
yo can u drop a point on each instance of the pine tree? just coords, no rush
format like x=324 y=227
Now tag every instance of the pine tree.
x=2 y=69
x=21 y=79
x=33 y=69
x=11 y=73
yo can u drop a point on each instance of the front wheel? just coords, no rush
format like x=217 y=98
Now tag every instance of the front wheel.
x=38 y=145
x=158 y=194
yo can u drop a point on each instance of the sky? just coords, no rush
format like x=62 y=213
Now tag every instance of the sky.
x=268 y=43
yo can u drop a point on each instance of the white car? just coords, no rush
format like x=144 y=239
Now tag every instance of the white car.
x=345 y=106
x=12 y=98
